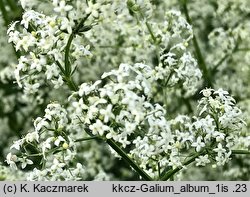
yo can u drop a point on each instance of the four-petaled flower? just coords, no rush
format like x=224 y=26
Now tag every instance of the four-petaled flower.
x=198 y=144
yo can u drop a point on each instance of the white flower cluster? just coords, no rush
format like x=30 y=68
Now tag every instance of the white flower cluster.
x=224 y=122
x=133 y=106
x=57 y=172
x=51 y=144
x=43 y=41
x=120 y=110
x=214 y=130
x=166 y=41
x=177 y=64
x=170 y=38
x=221 y=106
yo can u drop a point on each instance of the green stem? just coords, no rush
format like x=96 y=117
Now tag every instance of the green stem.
x=169 y=77
x=124 y=155
x=151 y=32
x=243 y=49
x=61 y=68
x=113 y=144
x=159 y=169
x=34 y=155
x=67 y=69
x=220 y=62
x=86 y=139
x=155 y=41
x=71 y=84
x=201 y=61
x=240 y=152
x=171 y=173
x=226 y=56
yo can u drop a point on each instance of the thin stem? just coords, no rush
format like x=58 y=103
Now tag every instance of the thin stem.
x=124 y=155
x=240 y=152
x=169 y=77
x=220 y=62
x=86 y=139
x=156 y=43
x=151 y=32
x=243 y=49
x=71 y=84
x=159 y=169
x=61 y=68
x=34 y=155
x=67 y=69
x=171 y=173
x=226 y=56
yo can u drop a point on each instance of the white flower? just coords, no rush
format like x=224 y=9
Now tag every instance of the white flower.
x=58 y=82
x=30 y=137
x=216 y=104
x=207 y=92
x=98 y=128
x=92 y=112
x=46 y=145
x=84 y=89
x=129 y=127
x=14 y=36
x=39 y=123
x=25 y=43
x=79 y=106
x=198 y=144
x=62 y=7
x=202 y=160
x=59 y=140
x=107 y=113
x=219 y=136
x=220 y=150
x=32 y=88
x=66 y=24
x=52 y=71
x=25 y=162
x=17 y=144
x=57 y=165
x=93 y=9
x=221 y=93
x=28 y=16
x=79 y=170
x=223 y=158
x=11 y=160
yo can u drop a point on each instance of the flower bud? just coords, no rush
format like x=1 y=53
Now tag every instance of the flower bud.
x=65 y=145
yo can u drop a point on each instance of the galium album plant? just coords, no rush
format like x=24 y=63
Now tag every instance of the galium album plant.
x=125 y=90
